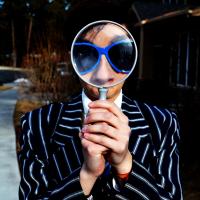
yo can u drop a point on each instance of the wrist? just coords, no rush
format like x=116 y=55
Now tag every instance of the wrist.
x=125 y=166
x=123 y=177
x=87 y=180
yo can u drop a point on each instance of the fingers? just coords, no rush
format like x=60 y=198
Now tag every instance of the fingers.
x=101 y=140
x=111 y=107
x=91 y=147
x=100 y=128
x=106 y=117
x=117 y=146
x=97 y=110
x=107 y=136
x=105 y=124
x=105 y=111
x=105 y=131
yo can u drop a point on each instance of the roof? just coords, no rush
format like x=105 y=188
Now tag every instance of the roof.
x=148 y=12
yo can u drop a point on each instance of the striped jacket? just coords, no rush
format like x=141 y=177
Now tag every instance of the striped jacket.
x=51 y=155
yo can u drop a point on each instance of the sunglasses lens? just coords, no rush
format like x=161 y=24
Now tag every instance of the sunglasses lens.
x=122 y=56
x=85 y=58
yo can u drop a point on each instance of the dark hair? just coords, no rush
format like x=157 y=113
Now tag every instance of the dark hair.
x=86 y=11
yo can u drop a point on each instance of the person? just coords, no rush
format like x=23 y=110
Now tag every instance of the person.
x=121 y=149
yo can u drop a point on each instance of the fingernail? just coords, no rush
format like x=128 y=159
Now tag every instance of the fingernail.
x=91 y=104
x=86 y=135
x=84 y=129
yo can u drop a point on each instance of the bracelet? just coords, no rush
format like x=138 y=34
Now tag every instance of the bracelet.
x=123 y=177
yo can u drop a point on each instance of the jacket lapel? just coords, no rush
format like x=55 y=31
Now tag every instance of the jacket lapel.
x=69 y=123
x=137 y=122
x=141 y=136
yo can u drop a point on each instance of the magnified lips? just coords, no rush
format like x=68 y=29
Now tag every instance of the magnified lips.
x=104 y=83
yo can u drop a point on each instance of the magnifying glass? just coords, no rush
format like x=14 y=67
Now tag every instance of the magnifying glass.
x=103 y=54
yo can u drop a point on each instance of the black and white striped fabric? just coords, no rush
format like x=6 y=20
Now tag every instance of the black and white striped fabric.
x=51 y=154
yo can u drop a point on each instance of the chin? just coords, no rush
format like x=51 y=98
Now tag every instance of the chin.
x=92 y=93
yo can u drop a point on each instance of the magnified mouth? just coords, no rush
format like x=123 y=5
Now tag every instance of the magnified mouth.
x=103 y=83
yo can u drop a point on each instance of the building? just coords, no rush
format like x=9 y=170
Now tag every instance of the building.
x=168 y=71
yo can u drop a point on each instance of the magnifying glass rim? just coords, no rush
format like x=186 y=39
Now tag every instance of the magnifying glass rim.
x=83 y=29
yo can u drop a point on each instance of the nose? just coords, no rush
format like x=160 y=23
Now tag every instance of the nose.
x=103 y=75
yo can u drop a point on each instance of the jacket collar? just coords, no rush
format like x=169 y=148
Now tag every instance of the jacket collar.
x=137 y=121
x=69 y=122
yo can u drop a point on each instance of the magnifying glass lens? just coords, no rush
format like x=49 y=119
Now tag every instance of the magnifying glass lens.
x=103 y=53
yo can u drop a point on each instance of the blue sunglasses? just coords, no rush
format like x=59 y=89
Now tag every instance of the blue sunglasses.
x=120 y=55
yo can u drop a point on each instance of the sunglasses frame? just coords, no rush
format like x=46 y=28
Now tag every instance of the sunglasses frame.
x=103 y=51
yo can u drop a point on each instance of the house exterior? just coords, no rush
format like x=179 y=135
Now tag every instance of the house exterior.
x=168 y=69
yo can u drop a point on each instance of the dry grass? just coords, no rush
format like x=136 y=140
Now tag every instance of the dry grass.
x=45 y=75
x=22 y=106
x=4 y=87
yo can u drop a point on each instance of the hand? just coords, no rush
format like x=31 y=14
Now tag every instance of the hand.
x=106 y=126
x=94 y=164
x=94 y=161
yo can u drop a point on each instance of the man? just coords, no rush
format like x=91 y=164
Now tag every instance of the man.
x=122 y=149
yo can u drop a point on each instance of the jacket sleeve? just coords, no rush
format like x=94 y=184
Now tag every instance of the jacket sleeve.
x=33 y=158
x=163 y=182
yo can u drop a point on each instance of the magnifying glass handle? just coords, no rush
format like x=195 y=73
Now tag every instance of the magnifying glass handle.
x=103 y=93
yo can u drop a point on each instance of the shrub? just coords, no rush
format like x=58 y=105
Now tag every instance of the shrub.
x=52 y=78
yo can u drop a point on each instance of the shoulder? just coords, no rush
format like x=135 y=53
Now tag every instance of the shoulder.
x=45 y=112
x=162 y=121
x=48 y=114
x=158 y=114
x=42 y=119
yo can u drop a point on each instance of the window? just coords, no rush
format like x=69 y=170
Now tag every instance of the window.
x=184 y=60
x=175 y=1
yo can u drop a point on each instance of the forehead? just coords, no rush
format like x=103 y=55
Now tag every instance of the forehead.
x=105 y=34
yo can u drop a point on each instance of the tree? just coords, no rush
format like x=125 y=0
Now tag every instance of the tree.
x=31 y=21
x=14 y=14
